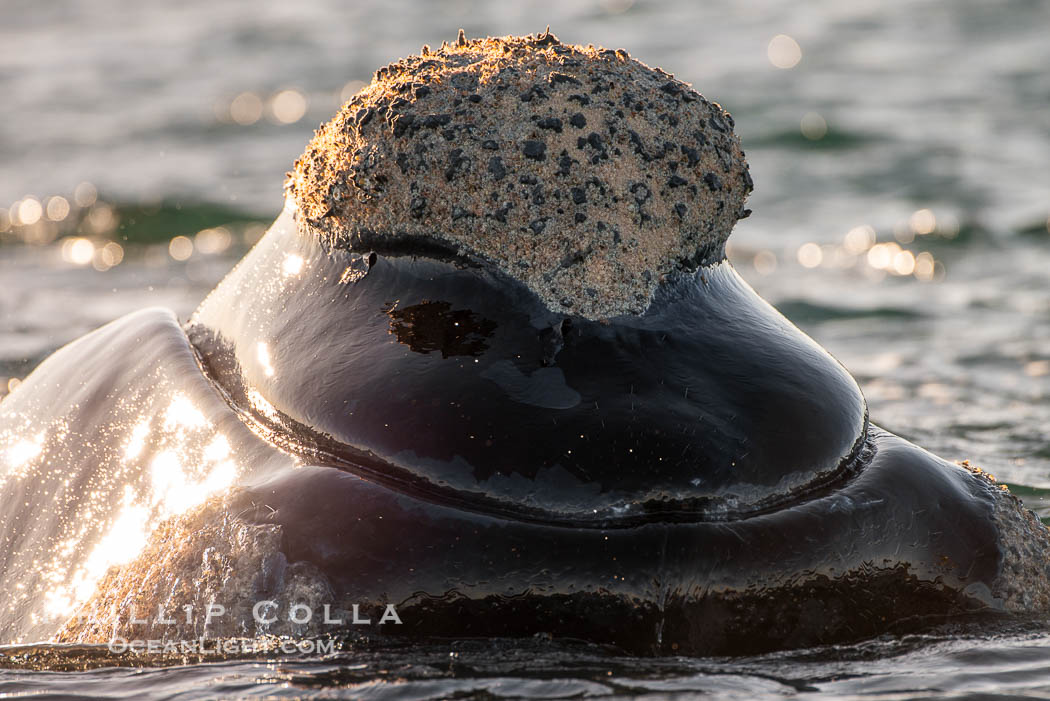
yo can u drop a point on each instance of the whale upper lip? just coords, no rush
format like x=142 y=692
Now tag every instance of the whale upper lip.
x=440 y=379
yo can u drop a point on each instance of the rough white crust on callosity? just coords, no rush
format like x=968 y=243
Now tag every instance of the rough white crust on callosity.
x=579 y=171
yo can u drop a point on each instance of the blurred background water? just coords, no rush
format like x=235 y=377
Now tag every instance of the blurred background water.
x=901 y=155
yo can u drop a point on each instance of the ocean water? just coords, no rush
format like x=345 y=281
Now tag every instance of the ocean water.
x=901 y=155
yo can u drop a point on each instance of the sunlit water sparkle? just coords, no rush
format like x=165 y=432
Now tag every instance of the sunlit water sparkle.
x=900 y=218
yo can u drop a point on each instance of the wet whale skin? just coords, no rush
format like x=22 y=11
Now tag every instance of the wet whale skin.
x=409 y=432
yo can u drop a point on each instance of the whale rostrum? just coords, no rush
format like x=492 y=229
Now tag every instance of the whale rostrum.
x=489 y=373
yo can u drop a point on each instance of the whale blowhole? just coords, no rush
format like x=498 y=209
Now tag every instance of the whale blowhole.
x=582 y=173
